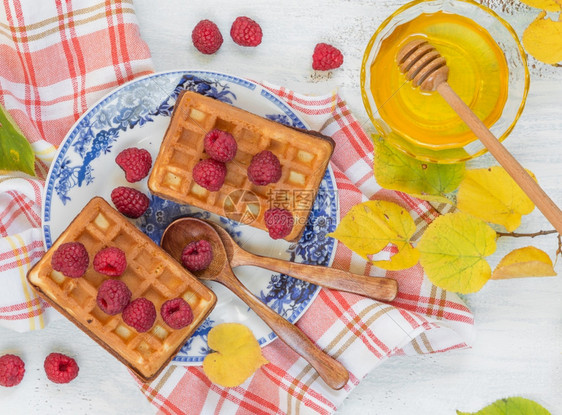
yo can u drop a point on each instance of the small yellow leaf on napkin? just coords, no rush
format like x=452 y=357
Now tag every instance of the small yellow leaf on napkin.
x=493 y=196
x=524 y=262
x=237 y=355
x=453 y=250
x=370 y=227
x=543 y=39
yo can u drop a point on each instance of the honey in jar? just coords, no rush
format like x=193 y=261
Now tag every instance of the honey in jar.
x=478 y=72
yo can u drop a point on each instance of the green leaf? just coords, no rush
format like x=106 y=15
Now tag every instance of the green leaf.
x=398 y=171
x=453 y=250
x=15 y=151
x=369 y=227
x=510 y=406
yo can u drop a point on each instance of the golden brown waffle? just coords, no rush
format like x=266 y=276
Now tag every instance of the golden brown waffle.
x=303 y=155
x=150 y=273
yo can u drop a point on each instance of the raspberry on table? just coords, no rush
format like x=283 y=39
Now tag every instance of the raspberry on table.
x=220 y=145
x=206 y=37
x=135 y=162
x=197 y=255
x=140 y=314
x=176 y=313
x=60 y=368
x=279 y=222
x=110 y=261
x=264 y=168
x=130 y=202
x=71 y=258
x=210 y=174
x=113 y=296
x=12 y=369
x=246 y=32
x=326 y=57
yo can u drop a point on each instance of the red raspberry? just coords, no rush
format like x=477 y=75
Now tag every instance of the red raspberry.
x=326 y=57
x=12 y=369
x=130 y=202
x=206 y=37
x=110 y=261
x=60 y=368
x=197 y=255
x=135 y=162
x=264 y=168
x=71 y=259
x=176 y=313
x=279 y=222
x=246 y=32
x=140 y=314
x=113 y=296
x=209 y=174
x=220 y=145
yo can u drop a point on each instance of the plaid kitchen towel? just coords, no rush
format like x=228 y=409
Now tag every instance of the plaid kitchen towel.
x=56 y=58
x=359 y=332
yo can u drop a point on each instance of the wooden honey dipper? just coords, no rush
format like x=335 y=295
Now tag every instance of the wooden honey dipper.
x=426 y=68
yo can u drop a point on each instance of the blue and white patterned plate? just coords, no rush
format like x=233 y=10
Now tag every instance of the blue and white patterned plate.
x=137 y=114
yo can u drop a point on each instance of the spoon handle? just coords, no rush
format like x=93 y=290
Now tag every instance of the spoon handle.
x=504 y=157
x=330 y=370
x=378 y=288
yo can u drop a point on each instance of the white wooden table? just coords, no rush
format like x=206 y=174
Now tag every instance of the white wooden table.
x=518 y=349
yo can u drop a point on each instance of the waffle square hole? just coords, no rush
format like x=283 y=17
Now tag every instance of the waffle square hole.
x=155 y=296
x=171 y=180
x=87 y=239
x=80 y=294
x=225 y=125
x=102 y=222
x=296 y=178
x=234 y=178
x=146 y=261
x=171 y=281
x=277 y=147
x=196 y=116
x=192 y=299
x=305 y=157
x=248 y=137
x=180 y=159
x=189 y=138
x=57 y=277
x=122 y=239
x=94 y=279
x=125 y=332
x=144 y=350
x=160 y=332
x=99 y=315
x=198 y=191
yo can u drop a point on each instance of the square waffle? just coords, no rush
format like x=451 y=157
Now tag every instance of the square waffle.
x=150 y=273
x=304 y=157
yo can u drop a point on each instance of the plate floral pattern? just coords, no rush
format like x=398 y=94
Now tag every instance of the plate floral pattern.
x=137 y=114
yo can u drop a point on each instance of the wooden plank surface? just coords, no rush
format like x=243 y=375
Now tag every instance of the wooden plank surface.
x=518 y=348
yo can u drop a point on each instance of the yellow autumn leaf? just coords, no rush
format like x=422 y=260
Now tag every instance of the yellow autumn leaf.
x=548 y=5
x=453 y=249
x=371 y=226
x=543 y=39
x=492 y=195
x=524 y=262
x=237 y=354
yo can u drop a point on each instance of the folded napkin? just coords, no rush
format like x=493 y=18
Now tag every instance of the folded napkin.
x=359 y=332
x=57 y=58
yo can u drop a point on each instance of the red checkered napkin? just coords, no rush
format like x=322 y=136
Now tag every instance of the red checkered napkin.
x=359 y=332
x=56 y=58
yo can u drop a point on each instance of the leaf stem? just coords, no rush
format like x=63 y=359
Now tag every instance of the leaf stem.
x=526 y=235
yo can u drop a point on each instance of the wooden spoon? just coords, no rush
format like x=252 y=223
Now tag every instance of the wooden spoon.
x=378 y=288
x=426 y=68
x=185 y=230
